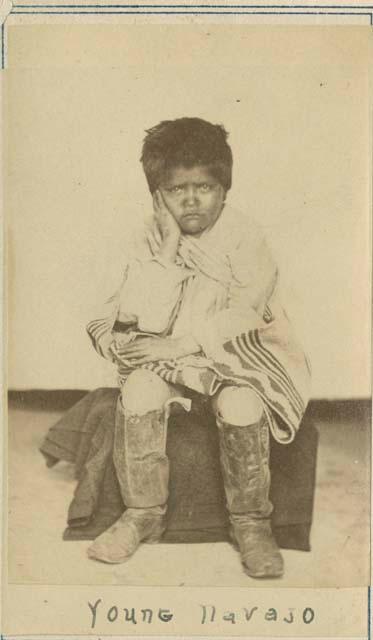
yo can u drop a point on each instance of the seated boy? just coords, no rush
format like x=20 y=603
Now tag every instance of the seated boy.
x=198 y=309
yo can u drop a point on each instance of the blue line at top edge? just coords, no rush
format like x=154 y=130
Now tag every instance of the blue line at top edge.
x=181 y=13
x=197 y=6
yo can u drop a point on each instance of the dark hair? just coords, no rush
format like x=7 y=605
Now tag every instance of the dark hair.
x=186 y=142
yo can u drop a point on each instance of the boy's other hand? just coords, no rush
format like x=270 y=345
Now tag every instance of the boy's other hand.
x=151 y=349
x=167 y=224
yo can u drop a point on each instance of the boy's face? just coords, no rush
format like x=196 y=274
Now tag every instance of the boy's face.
x=194 y=198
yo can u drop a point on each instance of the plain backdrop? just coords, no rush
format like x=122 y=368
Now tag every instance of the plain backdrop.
x=78 y=99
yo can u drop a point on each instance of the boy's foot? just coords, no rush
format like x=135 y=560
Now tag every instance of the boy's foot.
x=120 y=542
x=260 y=554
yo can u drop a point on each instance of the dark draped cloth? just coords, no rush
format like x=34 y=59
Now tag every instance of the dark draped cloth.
x=197 y=513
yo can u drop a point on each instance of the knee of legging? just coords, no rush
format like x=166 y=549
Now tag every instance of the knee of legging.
x=144 y=391
x=238 y=406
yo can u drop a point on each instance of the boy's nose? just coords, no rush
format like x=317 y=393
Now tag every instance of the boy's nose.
x=190 y=195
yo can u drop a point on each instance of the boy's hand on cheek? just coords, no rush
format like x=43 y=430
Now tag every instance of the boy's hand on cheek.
x=169 y=228
x=146 y=350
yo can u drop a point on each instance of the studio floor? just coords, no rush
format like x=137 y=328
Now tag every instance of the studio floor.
x=39 y=498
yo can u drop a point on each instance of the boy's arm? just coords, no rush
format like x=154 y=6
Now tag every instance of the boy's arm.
x=152 y=292
x=146 y=298
x=152 y=349
x=100 y=328
x=149 y=293
x=155 y=283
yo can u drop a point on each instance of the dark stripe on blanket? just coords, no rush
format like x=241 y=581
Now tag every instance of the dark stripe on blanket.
x=280 y=367
x=253 y=355
x=275 y=373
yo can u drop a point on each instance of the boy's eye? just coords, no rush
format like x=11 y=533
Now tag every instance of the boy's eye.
x=177 y=189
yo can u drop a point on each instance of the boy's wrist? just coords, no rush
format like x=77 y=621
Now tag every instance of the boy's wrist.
x=169 y=247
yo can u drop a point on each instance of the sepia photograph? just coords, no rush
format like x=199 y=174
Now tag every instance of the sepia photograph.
x=188 y=266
